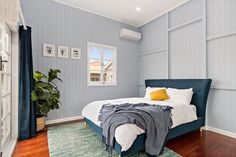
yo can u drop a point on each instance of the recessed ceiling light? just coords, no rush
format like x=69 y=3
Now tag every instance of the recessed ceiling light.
x=138 y=9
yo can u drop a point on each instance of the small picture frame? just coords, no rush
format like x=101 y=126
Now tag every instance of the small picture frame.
x=75 y=53
x=62 y=51
x=49 y=50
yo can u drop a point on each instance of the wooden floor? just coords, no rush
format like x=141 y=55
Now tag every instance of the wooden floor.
x=195 y=144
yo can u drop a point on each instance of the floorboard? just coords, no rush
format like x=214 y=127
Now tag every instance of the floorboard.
x=194 y=144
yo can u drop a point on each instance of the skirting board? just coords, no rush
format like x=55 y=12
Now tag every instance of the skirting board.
x=219 y=131
x=64 y=120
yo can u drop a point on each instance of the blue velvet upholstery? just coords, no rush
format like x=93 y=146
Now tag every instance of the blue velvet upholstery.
x=201 y=89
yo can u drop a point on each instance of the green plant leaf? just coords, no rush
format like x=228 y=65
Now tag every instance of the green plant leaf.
x=34 y=96
x=44 y=109
x=52 y=75
x=46 y=94
x=43 y=85
x=38 y=76
x=57 y=106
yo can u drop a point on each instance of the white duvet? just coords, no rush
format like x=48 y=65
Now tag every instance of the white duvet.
x=127 y=133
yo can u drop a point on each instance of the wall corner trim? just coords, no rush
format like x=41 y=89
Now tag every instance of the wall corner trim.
x=219 y=131
x=64 y=120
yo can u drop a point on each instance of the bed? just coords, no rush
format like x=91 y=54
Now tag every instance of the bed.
x=201 y=89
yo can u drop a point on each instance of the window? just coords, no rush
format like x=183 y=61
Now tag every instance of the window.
x=101 y=65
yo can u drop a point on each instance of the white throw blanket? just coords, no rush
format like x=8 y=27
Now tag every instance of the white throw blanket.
x=127 y=133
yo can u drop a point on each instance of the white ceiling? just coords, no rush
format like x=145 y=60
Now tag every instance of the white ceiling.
x=125 y=10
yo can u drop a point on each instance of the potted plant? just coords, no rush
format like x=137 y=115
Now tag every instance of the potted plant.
x=45 y=95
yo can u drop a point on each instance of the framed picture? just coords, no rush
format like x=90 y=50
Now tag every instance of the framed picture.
x=62 y=51
x=75 y=53
x=49 y=50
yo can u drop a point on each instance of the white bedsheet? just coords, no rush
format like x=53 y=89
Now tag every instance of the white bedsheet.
x=127 y=133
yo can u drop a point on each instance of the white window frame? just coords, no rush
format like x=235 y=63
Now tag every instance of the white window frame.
x=114 y=62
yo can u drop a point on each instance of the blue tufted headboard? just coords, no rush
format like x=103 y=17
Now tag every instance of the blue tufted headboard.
x=200 y=87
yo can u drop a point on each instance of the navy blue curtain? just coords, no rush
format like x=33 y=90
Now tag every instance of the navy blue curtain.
x=27 y=113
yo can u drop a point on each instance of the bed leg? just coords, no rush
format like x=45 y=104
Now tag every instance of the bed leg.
x=85 y=125
x=201 y=129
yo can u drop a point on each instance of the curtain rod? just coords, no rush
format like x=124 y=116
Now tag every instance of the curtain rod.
x=21 y=15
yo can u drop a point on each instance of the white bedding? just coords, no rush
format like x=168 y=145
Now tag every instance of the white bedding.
x=127 y=133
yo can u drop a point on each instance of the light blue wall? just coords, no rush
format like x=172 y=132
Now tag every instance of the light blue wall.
x=196 y=47
x=153 y=54
x=180 y=44
x=58 y=24
x=221 y=48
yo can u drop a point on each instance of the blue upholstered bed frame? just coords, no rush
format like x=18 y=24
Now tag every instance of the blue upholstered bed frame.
x=201 y=89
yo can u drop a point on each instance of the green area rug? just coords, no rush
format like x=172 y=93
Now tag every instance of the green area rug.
x=73 y=140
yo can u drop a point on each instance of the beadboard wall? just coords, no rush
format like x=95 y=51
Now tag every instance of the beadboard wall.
x=195 y=40
x=59 y=24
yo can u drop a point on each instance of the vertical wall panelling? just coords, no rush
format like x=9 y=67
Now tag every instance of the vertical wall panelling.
x=195 y=40
x=153 y=56
x=167 y=45
x=200 y=43
x=221 y=39
x=185 y=13
x=59 y=24
x=187 y=56
x=204 y=36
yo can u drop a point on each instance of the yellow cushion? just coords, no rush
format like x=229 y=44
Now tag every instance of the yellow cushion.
x=159 y=95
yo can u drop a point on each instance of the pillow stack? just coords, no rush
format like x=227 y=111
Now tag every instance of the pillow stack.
x=179 y=96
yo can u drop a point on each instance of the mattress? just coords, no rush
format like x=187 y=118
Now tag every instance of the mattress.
x=127 y=133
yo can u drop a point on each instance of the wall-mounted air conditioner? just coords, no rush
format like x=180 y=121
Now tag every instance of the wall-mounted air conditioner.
x=130 y=35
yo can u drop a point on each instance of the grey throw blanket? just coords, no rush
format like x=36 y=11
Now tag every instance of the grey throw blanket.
x=155 y=120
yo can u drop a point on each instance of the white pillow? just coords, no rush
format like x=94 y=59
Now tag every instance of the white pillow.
x=150 y=90
x=180 y=96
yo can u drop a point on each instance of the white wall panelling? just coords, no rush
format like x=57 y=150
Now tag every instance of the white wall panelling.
x=221 y=48
x=185 y=24
x=180 y=44
x=221 y=110
x=58 y=24
x=204 y=37
x=151 y=52
x=185 y=41
x=199 y=47
x=167 y=45
x=187 y=12
x=156 y=65
x=221 y=62
x=221 y=16
x=153 y=56
x=221 y=43
x=186 y=56
x=222 y=35
x=154 y=35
